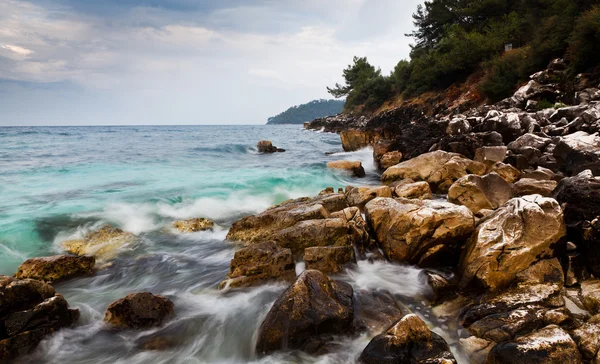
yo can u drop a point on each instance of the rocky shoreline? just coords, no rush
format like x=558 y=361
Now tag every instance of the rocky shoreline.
x=500 y=206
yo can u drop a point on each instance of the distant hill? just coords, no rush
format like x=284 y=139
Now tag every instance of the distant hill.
x=308 y=112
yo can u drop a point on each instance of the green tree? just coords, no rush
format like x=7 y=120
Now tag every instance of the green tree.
x=355 y=76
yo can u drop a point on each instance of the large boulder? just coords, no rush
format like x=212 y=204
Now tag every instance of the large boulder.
x=530 y=186
x=590 y=295
x=138 y=311
x=355 y=139
x=55 y=268
x=579 y=151
x=550 y=345
x=354 y=168
x=306 y=314
x=580 y=198
x=193 y=225
x=587 y=337
x=103 y=243
x=440 y=169
x=408 y=341
x=29 y=311
x=262 y=227
x=510 y=240
x=410 y=231
x=359 y=196
x=390 y=159
x=329 y=259
x=415 y=190
x=477 y=193
x=258 y=264
x=509 y=173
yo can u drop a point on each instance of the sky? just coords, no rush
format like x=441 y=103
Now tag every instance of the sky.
x=136 y=62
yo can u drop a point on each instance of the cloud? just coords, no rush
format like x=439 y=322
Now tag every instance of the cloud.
x=184 y=61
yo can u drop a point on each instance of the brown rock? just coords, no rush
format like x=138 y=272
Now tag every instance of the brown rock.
x=491 y=154
x=259 y=264
x=509 y=241
x=355 y=168
x=407 y=229
x=480 y=193
x=509 y=173
x=416 y=190
x=193 y=225
x=138 y=311
x=375 y=310
x=440 y=169
x=266 y=147
x=354 y=139
x=390 y=159
x=477 y=349
x=590 y=295
x=54 y=268
x=329 y=259
x=306 y=314
x=408 y=341
x=587 y=338
x=102 y=244
x=529 y=186
x=359 y=196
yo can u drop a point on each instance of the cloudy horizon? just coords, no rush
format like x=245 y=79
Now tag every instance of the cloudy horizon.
x=116 y=62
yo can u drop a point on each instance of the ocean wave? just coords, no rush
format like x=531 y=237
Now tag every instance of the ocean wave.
x=227 y=149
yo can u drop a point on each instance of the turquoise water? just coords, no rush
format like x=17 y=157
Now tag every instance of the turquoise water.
x=58 y=183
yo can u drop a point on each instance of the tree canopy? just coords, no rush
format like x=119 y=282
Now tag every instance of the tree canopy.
x=308 y=112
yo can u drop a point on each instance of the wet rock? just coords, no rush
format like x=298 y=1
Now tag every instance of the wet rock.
x=355 y=168
x=590 y=295
x=509 y=241
x=477 y=349
x=530 y=186
x=259 y=264
x=408 y=341
x=138 y=311
x=354 y=139
x=575 y=269
x=329 y=259
x=306 y=314
x=103 y=243
x=442 y=288
x=266 y=147
x=505 y=326
x=390 y=159
x=587 y=338
x=359 y=196
x=29 y=311
x=262 y=227
x=440 y=169
x=415 y=190
x=54 y=268
x=375 y=310
x=477 y=193
x=509 y=173
x=548 y=345
x=193 y=225
x=408 y=230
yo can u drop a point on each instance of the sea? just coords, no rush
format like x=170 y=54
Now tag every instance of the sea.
x=59 y=183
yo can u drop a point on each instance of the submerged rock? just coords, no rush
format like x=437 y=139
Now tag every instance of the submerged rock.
x=138 y=311
x=412 y=230
x=29 y=311
x=481 y=193
x=355 y=168
x=306 y=314
x=266 y=147
x=103 y=243
x=193 y=225
x=510 y=240
x=440 y=169
x=54 y=268
x=375 y=310
x=548 y=345
x=259 y=264
x=407 y=341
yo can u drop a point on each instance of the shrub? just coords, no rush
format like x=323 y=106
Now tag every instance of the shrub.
x=505 y=72
x=584 y=44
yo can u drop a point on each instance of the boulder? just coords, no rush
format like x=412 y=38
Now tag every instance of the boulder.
x=138 y=311
x=491 y=154
x=579 y=151
x=262 y=227
x=530 y=186
x=440 y=169
x=259 y=264
x=390 y=159
x=359 y=196
x=509 y=173
x=409 y=231
x=458 y=126
x=193 y=225
x=408 y=341
x=528 y=140
x=548 y=345
x=306 y=314
x=509 y=241
x=102 y=244
x=476 y=349
x=29 y=311
x=329 y=259
x=375 y=311
x=415 y=190
x=477 y=193
x=266 y=147
x=587 y=338
x=590 y=295
x=55 y=268
x=355 y=139
x=354 y=168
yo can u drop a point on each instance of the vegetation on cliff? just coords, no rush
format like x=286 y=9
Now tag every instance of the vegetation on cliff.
x=307 y=112
x=505 y=40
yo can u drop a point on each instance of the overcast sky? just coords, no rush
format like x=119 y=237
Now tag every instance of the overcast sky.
x=82 y=62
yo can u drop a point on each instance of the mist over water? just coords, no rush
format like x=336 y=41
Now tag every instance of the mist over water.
x=58 y=183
